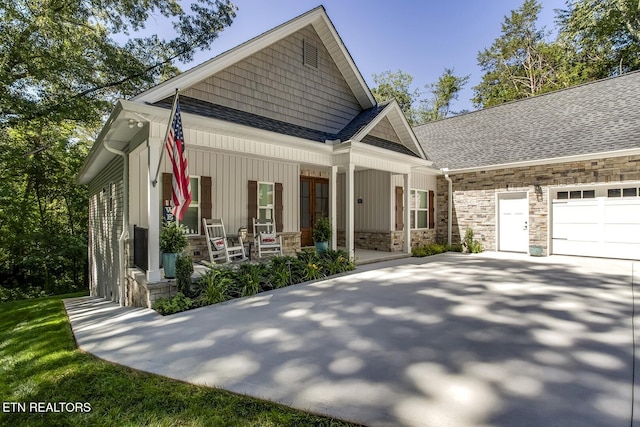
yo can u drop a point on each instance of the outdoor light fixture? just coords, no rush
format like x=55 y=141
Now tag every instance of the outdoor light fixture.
x=538 y=190
x=133 y=123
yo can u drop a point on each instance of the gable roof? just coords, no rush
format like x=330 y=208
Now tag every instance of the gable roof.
x=596 y=117
x=351 y=131
x=320 y=21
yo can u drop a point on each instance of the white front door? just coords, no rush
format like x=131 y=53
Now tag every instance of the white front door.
x=513 y=222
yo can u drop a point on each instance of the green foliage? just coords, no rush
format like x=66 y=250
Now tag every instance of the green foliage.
x=390 y=85
x=184 y=271
x=173 y=238
x=520 y=63
x=214 y=287
x=471 y=245
x=249 y=276
x=428 y=250
x=601 y=38
x=335 y=262
x=60 y=60
x=279 y=271
x=321 y=229
x=419 y=110
x=179 y=302
x=444 y=92
x=39 y=362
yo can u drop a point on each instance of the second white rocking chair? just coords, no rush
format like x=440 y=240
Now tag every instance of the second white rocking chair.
x=219 y=248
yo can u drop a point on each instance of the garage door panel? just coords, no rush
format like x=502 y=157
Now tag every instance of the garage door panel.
x=622 y=250
x=565 y=213
x=579 y=232
x=622 y=233
x=603 y=227
x=572 y=247
x=622 y=213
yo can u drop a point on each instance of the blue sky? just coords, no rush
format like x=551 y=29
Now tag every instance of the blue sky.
x=420 y=37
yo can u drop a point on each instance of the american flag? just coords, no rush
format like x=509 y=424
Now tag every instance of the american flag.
x=181 y=191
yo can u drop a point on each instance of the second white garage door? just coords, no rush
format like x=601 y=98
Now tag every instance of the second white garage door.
x=607 y=226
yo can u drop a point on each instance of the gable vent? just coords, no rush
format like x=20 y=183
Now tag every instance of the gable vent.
x=309 y=54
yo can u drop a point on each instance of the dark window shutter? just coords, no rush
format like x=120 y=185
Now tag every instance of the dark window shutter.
x=278 y=207
x=206 y=205
x=252 y=204
x=432 y=217
x=167 y=186
x=399 y=209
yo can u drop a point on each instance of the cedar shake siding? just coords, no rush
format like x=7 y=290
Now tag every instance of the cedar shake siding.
x=274 y=83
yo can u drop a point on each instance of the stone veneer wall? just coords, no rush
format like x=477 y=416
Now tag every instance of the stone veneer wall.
x=389 y=241
x=474 y=194
x=197 y=246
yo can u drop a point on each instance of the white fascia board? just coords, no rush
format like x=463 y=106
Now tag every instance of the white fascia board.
x=550 y=161
x=370 y=150
x=391 y=108
x=98 y=144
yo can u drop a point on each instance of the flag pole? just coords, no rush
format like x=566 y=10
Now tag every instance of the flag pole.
x=166 y=135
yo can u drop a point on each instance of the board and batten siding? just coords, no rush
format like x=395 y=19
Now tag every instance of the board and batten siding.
x=139 y=188
x=105 y=227
x=230 y=175
x=374 y=213
x=275 y=83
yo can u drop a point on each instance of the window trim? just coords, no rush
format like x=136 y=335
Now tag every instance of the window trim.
x=272 y=206
x=197 y=205
x=413 y=212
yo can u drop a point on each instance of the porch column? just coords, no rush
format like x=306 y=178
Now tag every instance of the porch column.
x=407 y=213
x=333 y=206
x=349 y=214
x=154 y=145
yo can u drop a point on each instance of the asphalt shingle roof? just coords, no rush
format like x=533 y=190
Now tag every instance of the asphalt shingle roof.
x=595 y=117
x=207 y=109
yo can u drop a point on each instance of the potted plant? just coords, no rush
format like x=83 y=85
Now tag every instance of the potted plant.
x=321 y=234
x=173 y=240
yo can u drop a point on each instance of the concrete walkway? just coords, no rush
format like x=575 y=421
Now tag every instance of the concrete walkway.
x=451 y=340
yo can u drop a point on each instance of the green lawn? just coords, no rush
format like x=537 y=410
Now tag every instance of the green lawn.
x=39 y=362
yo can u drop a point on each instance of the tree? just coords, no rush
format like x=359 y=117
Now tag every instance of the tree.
x=396 y=85
x=58 y=59
x=444 y=91
x=603 y=37
x=520 y=63
x=60 y=70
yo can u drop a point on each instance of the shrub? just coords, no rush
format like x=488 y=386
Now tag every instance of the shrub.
x=249 y=277
x=175 y=304
x=334 y=262
x=214 y=287
x=280 y=271
x=321 y=229
x=470 y=245
x=184 y=271
x=173 y=239
x=428 y=250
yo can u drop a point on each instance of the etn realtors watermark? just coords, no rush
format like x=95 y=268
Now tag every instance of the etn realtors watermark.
x=46 y=407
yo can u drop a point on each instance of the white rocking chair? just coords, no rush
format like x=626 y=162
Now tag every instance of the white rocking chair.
x=219 y=248
x=266 y=240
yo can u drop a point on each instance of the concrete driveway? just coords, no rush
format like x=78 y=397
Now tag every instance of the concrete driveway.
x=451 y=340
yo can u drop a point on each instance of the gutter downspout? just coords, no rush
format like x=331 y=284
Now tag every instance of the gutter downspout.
x=445 y=171
x=125 y=216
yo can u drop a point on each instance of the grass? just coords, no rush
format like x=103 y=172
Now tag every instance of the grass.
x=39 y=362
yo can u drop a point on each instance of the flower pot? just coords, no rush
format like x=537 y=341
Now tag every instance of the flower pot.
x=321 y=247
x=169 y=264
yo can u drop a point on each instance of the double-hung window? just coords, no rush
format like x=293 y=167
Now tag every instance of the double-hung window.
x=266 y=200
x=191 y=219
x=419 y=209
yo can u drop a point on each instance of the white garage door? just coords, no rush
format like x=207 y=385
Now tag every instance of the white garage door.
x=606 y=226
